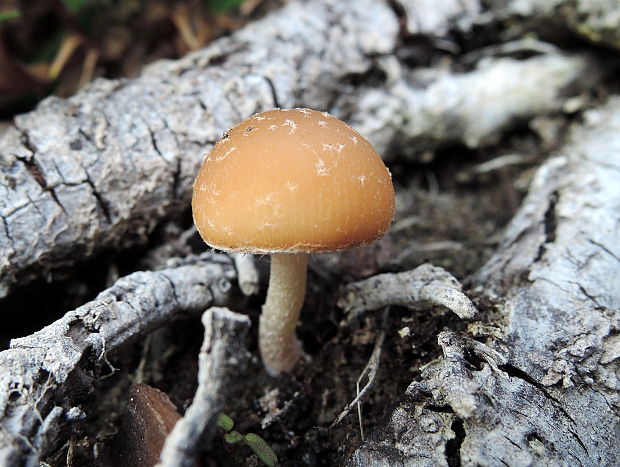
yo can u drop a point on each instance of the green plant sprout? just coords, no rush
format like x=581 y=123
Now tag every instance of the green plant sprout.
x=257 y=444
x=9 y=14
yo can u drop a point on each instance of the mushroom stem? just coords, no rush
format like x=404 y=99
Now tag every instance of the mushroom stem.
x=278 y=344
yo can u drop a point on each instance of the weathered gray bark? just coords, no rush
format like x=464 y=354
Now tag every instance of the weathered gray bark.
x=223 y=351
x=595 y=20
x=39 y=373
x=425 y=109
x=101 y=169
x=438 y=19
x=424 y=285
x=543 y=388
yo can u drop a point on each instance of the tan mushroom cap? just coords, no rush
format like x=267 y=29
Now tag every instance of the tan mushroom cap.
x=292 y=181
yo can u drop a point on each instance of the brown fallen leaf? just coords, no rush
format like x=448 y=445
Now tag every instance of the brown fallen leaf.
x=148 y=419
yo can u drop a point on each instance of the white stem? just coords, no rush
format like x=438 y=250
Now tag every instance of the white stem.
x=278 y=344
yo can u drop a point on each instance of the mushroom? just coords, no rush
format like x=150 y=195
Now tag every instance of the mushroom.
x=289 y=183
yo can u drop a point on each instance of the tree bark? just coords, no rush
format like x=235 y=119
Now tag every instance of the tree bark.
x=42 y=373
x=542 y=387
x=220 y=354
x=533 y=381
x=100 y=170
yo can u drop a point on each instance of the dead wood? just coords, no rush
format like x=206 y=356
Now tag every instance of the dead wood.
x=534 y=381
x=419 y=111
x=247 y=273
x=427 y=284
x=597 y=21
x=101 y=169
x=43 y=374
x=222 y=352
x=543 y=387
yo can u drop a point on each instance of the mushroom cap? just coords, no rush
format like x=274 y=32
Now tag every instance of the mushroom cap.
x=293 y=181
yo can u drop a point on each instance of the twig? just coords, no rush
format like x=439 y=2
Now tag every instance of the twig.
x=68 y=46
x=425 y=284
x=88 y=67
x=222 y=350
x=79 y=342
x=70 y=451
x=139 y=375
x=498 y=163
x=369 y=371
